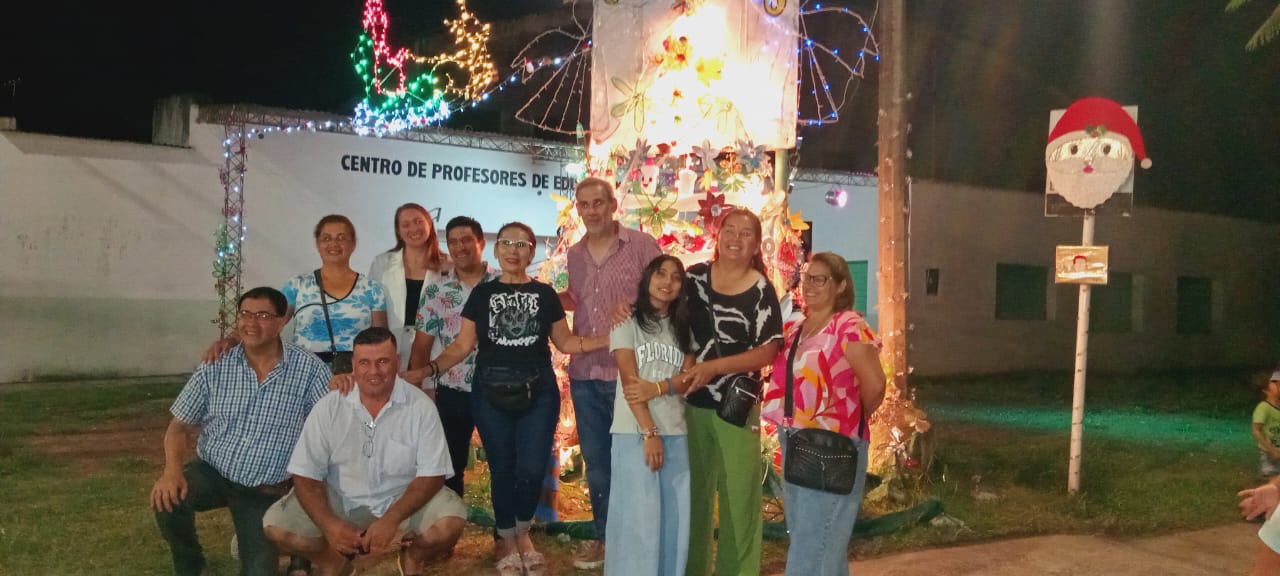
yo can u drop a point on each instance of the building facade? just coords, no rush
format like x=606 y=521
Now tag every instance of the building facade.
x=1186 y=290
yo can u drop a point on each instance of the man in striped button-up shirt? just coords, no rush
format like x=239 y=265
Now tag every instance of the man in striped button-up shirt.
x=247 y=410
x=604 y=269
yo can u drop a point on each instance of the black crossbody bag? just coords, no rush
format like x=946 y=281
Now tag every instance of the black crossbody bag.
x=741 y=391
x=816 y=458
x=339 y=362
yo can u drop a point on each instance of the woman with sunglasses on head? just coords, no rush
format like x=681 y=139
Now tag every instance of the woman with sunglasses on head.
x=515 y=400
x=737 y=329
x=416 y=260
x=831 y=362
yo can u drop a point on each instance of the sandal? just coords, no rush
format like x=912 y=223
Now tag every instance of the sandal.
x=511 y=565
x=535 y=564
x=402 y=564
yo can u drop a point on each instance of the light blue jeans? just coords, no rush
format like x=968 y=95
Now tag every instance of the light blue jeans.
x=821 y=523
x=593 y=410
x=649 y=511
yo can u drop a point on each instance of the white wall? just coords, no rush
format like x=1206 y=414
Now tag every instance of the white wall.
x=105 y=252
x=965 y=231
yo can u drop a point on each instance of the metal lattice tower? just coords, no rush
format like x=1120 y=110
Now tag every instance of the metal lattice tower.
x=227 y=266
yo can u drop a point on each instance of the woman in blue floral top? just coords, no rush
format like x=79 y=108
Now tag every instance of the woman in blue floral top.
x=354 y=301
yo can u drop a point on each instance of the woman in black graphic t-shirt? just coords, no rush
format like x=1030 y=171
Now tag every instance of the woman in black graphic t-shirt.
x=511 y=320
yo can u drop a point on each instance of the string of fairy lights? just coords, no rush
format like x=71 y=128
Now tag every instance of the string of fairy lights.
x=404 y=92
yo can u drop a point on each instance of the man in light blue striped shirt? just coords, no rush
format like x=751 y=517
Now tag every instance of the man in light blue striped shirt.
x=247 y=410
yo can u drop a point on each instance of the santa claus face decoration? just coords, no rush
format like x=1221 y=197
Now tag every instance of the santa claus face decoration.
x=1091 y=152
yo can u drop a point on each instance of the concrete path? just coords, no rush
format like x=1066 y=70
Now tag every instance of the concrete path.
x=1223 y=550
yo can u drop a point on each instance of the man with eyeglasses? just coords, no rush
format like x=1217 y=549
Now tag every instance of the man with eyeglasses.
x=368 y=472
x=245 y=410
x=604 y=270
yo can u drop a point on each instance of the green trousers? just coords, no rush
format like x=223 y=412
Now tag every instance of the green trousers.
x=724 y=460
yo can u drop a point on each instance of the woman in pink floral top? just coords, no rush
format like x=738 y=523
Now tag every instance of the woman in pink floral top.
x=838 y=385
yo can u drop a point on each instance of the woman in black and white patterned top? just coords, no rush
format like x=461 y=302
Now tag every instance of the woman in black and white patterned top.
x=737 y=329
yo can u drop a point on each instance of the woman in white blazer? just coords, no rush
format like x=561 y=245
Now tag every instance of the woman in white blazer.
x=415 y=261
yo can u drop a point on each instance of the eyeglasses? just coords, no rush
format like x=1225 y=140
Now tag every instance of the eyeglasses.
x=459 y=242
x=259 y=316
x=815 y=280
x=368 y=435
x=517 y=244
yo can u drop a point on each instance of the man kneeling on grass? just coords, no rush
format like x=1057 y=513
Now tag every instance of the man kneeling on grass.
x=247 y=409
x=367 y=473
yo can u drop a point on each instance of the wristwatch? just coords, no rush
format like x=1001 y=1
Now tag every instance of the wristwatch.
x=648 y=433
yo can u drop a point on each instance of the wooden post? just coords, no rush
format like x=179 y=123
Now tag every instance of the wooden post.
x=894 y=208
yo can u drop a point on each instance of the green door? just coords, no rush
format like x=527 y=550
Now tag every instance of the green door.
x=858 y=270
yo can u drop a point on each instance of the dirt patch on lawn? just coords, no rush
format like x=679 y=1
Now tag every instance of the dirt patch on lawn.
x=138 y=437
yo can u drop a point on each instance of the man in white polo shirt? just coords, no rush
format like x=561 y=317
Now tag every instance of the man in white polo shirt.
x=368 y=471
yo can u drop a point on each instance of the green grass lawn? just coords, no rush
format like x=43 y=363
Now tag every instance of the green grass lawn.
x=1161 y=453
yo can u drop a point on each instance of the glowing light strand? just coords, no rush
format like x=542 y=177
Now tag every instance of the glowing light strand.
x=395 y=100
x=546 y=99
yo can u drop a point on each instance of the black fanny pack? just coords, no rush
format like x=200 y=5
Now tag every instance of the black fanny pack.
x=510 y=390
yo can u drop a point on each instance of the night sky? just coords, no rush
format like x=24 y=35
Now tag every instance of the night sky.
x=984 y=75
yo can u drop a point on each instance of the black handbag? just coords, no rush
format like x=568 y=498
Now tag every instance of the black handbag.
x=339 y=362
x=741 y=392
x=510 y=390
x=816 y=458
x=739 y=397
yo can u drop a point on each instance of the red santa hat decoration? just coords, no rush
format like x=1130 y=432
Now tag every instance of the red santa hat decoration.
x=1091 y=151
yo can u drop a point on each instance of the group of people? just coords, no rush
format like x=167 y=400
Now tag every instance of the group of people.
x=351 y=441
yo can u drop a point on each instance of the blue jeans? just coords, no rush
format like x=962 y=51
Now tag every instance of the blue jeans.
x=516 y=446
x=821 y=523
x=593 y=406
x=650 y=532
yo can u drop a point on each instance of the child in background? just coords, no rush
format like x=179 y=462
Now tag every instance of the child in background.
x=1266 y=425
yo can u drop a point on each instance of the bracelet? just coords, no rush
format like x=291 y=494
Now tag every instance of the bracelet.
x=671 y=387
x=648 y=433
x=435 y=369
x=658 y=385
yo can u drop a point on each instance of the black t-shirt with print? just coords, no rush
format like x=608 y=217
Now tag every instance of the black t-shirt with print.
x=513 y=323
x=743 y=321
